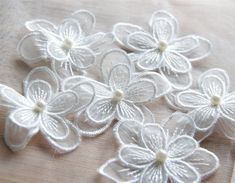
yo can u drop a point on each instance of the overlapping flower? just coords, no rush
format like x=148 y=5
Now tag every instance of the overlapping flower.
x=151 y=153
x=70 y=46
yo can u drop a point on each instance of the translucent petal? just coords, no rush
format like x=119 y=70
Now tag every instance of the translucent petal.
x=181 y=147
x=122 y=30
x=150 y=60
x=128 y=110
x=141 y=91
x=38 y=90
x=70 y=29
x=213 y=86
x=54 y=127
x=40 y=25
x=177 y=62
x=154 y=174
x=228 y=106
x=116 y=171
x=62 y=103
x=180 y=171
x=184 y=44
x=119 y=77
x=135 y=156
x=86 y=20
x=127 y=132
x=153 y=137
x=82 y=57
x=227 y=127
x=204 y=161
x=68 y=144
x=179 y=124
x=101 y=110
x=141 y=41
x=192 y=99
x=163 y=30
x=55 y=51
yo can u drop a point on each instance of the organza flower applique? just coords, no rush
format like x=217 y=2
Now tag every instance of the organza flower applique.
x=123 y=91
x=211 y=102
x=155 y=154
x=70 y=46
x=159 y=48
x=43 y=108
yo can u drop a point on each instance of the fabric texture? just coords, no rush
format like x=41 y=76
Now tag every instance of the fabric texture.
x=211 y=19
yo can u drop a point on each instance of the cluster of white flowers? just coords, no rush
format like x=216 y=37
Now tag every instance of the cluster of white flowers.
x=65 y=102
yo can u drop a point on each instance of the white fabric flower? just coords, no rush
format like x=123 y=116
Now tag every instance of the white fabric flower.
x=70 y=45
x=43 y=108
x=150 y=153
x=123 y=92
x=161 y=49
x=211 y=102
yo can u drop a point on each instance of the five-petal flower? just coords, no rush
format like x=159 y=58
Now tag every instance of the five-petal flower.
x=150 y=153
x=211 y=102
x=70 y=45
x=42 y=108
x=160 y=48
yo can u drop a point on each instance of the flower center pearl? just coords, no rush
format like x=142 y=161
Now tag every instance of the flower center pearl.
x=162 y=46
x=215 y=100
x=39 y=106
x=117 y=95
x=66 y=45
x=161 y=156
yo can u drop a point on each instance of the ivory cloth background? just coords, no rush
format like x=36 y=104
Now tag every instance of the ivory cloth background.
x=213 y=19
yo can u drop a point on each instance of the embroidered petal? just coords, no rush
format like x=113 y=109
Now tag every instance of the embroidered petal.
x=111 y=59
x=62 y=103
x=91 y=39
x=101 y=110
x=19 y=129
x=150 y=60
x=12 y=99
x=177 y=62
x=62 y=69
x=119 y=77
x=135 y=156
x=55 y=51
x=179 y=81
x=163 y=30
x=38 y=90
x=40 y=25
x=180 y=171
x=184 y=44
x=122 y=30
x=127 y=132
x=179 y=124
x=164 y=14
x=68 y=144
x=154 y=174
x=70 y=30
x=116 y=171
x=227 y=127
x=32 y=48
x=86 y=20
x=45 y=74
x=54 y=126
x=141 y=41
x=222 y=74
x=204 y=161
x=201 y=51
x=181 y=147
x=228 y=106
x=162 y=86
x=127 y=110
x=82 y=57
x=85 y=94
x=204 y=117
x=192 y=99
x=153 y=137
x=141 y=91
x=213 y=86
